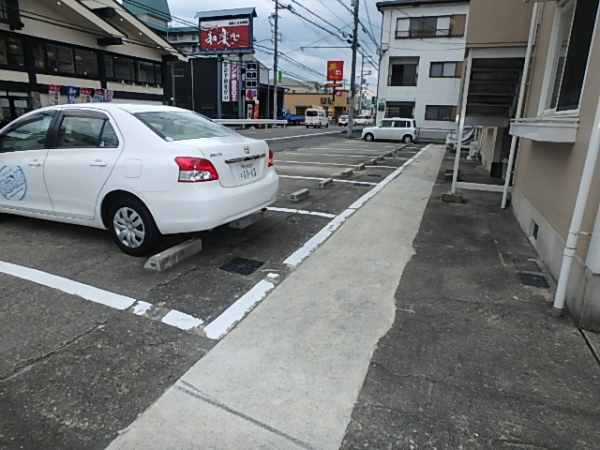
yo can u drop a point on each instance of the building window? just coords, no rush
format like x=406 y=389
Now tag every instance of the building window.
x=86 y=62
x=403 y=72
x=145 y=72
x=445 y=70
x=430 y=27
x=60 y=59
x=574 y=30
x=158 y=73
x=39 y=55
x=11 y=52
x=109 y=67
x=445 y=113
x=124 y=68
x=9 y=13
x=400 y=109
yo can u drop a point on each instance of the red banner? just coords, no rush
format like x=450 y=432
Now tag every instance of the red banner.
x=225 y=35
x=335 y=70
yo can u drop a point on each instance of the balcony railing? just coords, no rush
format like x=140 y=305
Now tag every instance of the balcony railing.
x=419 y=34
x=407 y=80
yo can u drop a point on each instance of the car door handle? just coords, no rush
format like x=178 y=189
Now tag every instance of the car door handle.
x=35 y=163
x=98 y=163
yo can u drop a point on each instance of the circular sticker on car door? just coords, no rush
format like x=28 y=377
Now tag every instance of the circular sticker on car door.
x=13 y=183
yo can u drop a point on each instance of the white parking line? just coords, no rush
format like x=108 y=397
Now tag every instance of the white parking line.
x=327 y=154
x=299 y=255
x=301 y=211
x=321 y=179
x=236 y=312
x=341 y=149
x=300 y=136
x=174 y=318
x=312 y=162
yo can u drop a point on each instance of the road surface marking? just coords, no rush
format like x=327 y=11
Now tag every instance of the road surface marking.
x=327 y=154
x=321 y=179
x=301 y=211
x=299 y=255
x=106 y=298
x=300 y=136
x=236 y=312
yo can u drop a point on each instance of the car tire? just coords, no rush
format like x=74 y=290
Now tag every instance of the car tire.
x=326 y=125
x=307 y=127
x=407 y=139
x=132 y=227
x=369 y=137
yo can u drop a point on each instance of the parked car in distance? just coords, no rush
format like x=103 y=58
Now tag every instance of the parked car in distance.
x=393 y=129
x=343 y=120
x=316 y=118
x=286 y=114
x=140 y=171
x=361 y=120
x=370 y=120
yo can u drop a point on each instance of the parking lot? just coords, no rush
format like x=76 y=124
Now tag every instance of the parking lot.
x=88 y=310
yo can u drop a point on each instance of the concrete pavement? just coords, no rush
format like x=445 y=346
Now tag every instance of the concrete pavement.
x=289 y=375
x=408 y=329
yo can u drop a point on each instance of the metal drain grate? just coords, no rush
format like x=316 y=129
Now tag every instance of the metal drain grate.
x=529 y=279
x=241 y=266
x=526 y=265
x=374 y=175
x=362 y=185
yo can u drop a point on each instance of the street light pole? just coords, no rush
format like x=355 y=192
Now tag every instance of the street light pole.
x=360 y=93
x=353 y=76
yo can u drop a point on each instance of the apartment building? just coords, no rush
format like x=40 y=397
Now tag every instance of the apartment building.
x=423 y=44
x=532 y=76
x=54 y=52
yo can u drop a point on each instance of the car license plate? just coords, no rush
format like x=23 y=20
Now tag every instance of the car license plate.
x=247 y=171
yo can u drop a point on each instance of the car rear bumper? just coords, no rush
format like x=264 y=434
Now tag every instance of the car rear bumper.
x=190 y=207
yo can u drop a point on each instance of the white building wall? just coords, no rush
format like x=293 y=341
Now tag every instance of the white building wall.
x=428 y=91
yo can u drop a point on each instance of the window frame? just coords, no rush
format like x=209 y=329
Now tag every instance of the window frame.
x=82 y=113
x=5 y=38
x=415 y=34
x=391 y=64
x=437 y=119
x=27 y=120
x=457 y=71
x=552 y=61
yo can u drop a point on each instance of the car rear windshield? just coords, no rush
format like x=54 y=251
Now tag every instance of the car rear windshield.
x=312 y=113
x=182 y=125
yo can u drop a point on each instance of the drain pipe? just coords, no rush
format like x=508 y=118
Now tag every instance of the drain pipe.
x=585 y=186
x=535 y=21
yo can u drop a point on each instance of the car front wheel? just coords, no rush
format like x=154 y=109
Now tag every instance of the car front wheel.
x=369 y=137
x=132 y=227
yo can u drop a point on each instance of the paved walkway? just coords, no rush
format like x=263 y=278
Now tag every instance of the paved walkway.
x=408 y=328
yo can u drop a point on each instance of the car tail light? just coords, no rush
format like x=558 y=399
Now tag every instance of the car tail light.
x=271 y=162
x=195 y=170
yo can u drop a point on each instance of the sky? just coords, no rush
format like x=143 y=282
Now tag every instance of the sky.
x=295 y=32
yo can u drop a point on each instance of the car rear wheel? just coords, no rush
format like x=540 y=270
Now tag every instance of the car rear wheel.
x=369 y=137
x=407 y=139
x=132 y=227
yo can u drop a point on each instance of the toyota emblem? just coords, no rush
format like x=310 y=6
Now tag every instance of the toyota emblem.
x=246 y=150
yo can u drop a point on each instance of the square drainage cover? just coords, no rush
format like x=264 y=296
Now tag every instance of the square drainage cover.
x=529 y=279
x=362 y=185
x=526 y=265
x=241 y=266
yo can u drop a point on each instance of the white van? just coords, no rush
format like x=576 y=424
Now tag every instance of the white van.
x=315 y=118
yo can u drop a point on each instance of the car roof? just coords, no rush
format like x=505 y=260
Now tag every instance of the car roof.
x=129 y=107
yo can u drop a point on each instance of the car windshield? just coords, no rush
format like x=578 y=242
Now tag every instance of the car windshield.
x=343 y=117
x=182 y=125
x=312 y=113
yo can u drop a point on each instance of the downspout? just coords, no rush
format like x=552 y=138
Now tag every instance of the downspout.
x=585 y=186
x=535 y=21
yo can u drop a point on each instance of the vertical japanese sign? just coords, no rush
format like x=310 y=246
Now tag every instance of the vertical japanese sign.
x=335 y=70
x=87 y=94
x=54 y=94
x=235 y=82
x=226 y=81
x=225 y=35
x=73 y=94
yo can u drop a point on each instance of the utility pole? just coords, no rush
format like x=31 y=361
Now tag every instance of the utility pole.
x=275 y=71
x=353 y=76
x=362 y=74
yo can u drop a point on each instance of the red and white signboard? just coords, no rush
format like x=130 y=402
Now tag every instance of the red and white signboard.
x=235 y=82
x=251 y=94
x=225 y=35
x=335 y=70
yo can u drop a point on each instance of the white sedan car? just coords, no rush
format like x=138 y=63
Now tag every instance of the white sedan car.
x=139 y=171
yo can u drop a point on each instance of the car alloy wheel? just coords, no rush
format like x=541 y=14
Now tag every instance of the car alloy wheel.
x=369 y=137
x=407 y=139
x=132 y=227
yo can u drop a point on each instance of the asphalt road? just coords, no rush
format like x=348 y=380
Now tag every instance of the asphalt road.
x=74 y=372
